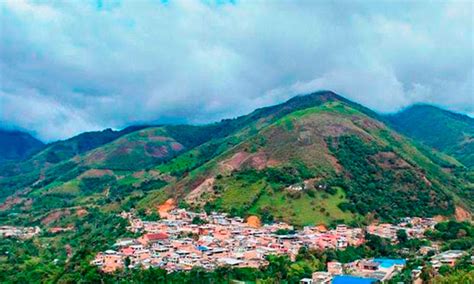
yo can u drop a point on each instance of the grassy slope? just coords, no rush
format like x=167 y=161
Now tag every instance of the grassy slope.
x=320 y=209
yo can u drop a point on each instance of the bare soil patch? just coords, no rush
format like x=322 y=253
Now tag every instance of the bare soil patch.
x=462 y=214
x=254 y=221
x=167 y=206
x=55 y=216
x=97 y=173
x=196 y=195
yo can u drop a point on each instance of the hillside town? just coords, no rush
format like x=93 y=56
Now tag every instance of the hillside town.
x=182 y=240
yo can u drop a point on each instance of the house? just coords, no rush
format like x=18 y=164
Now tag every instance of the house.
x=348 y=279
x=296 y=187
x=368 y=265
x=229 y=261
x=152 y=237
x=334 y=268
x=111 y=261
x=321 y=277
x=447 y=258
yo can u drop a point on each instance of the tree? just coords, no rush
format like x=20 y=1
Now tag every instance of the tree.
x=427 y=273
x=127 y=262
x=444 y=269
x=198 y=221
x=402 y=236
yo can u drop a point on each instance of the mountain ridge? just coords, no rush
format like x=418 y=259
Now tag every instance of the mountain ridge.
x=150 y=164
x=446 y=131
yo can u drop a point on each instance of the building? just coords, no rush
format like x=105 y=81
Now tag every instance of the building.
x=334 y=268
x=447 y=258
x=321 y=277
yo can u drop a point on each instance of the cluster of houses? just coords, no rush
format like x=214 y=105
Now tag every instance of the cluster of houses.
x=180 y=242
x=378 y=270
x=415 y=227
x=360 y=271
x=448 y=258
x=19 y=232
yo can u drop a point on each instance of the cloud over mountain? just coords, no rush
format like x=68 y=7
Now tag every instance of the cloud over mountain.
x=73 y=66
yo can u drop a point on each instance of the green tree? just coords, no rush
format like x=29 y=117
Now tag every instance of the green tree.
x=402 y=236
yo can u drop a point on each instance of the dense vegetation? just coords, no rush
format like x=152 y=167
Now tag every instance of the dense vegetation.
x=389 y=194
x=446 y=131
x=61 y=258
x=454 y=235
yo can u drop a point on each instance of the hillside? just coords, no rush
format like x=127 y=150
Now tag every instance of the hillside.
x=317 y=158
x=54 y=159
x=333 y=161
x=449 y=132
x=17 y=145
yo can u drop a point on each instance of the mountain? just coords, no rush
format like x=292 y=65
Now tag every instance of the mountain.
x=446 y=131
x=17 y=175
x=318 y=158
x=331 y=160
x=17 y=145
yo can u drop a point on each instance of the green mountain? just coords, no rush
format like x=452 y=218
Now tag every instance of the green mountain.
x=446 y=131
x=314 y=159
x=21 y=174
x=17 y=145
x=333 y=160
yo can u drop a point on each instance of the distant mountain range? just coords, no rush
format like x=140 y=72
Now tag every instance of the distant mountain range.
x=446 y=131
x=317 y=158
x=17 y=145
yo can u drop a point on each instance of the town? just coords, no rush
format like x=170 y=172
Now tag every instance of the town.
x=182 y=240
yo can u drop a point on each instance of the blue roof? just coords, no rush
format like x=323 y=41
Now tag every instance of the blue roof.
x=202 y=248
x=347 y=279
x=389 y=262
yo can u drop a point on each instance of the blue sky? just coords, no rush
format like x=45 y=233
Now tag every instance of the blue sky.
x=73 y=66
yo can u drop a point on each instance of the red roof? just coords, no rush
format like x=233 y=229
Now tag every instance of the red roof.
x=127 y=251
x=156 y=236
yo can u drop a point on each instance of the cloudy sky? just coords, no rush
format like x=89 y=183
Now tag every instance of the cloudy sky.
x=73 y=66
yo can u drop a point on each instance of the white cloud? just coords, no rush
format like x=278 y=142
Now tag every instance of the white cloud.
x=49 y=119
x=110 y=63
